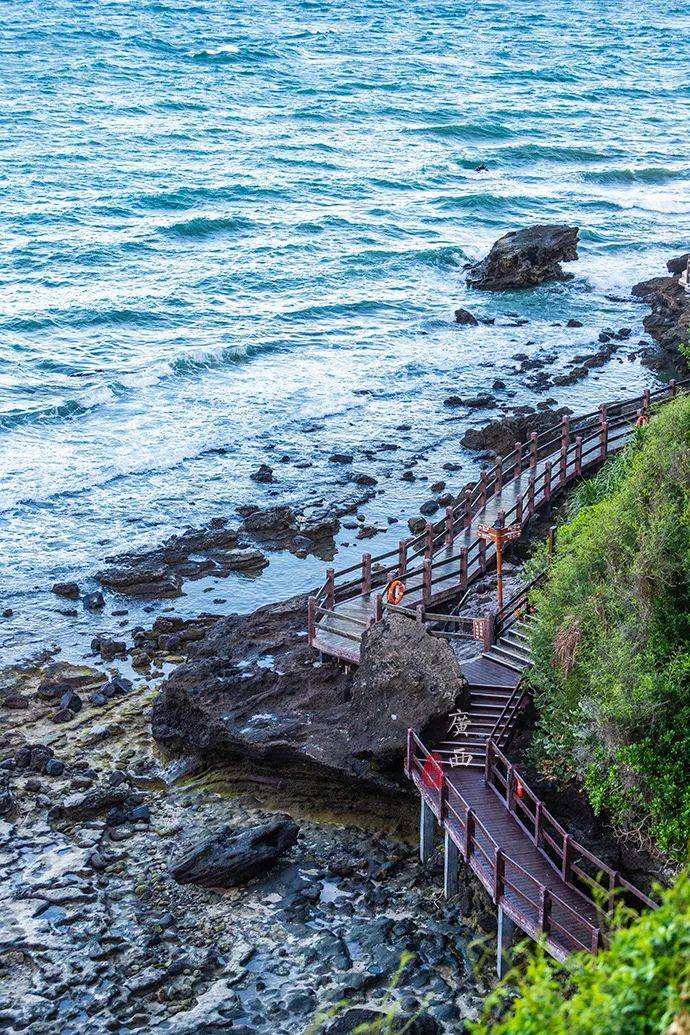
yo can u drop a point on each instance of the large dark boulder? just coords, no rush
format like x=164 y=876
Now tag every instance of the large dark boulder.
x=229 y=857
x=525 y=258
x=253 y=690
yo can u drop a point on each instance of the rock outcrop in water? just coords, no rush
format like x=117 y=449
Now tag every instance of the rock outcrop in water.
x=525 y=258
x=253 y=690
x=499 y=436
x=669 y=321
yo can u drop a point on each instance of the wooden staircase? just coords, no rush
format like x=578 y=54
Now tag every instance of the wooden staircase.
x=494 y=699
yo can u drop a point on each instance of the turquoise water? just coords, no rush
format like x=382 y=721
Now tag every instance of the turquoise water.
x=225 y=225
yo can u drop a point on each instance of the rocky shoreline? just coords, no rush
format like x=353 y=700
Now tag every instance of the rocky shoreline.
x=247 y=722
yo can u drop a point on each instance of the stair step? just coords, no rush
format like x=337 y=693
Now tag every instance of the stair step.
x=505 y=660
x=496 y=692
x=514 y=644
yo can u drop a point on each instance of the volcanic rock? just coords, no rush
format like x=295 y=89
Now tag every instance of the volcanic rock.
x=669 y=321
x=69 y=590
x=198 y=552
x=500 y=436
x=525 y=258
x=466 y=318
x=230 y=857
x=294 y=719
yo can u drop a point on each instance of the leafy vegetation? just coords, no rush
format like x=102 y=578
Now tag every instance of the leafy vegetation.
x=639 y=986
x=612 y=639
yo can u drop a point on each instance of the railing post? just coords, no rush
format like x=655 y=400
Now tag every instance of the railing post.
x=483 y=480
x=596 y=938
x=545 y=909
x=489 y=626
x=378 y=606
x=468 y=508
x=311 y=620
x=366 y=574
x=646 y=401
x=603 y=414
x=613 y=883
x=530 y=496
x=443 y=799
x=547 y=482
x=410 y=753
x=604 y=439
x=330 y=588
x=482 y=554
x=463 y=568
x=551 y=542
x=488 y=756
x=533 y=450
x=518 y=459
x=518 y=509
x=509 y=788
x=565 y=865
x=419 y=614
x=565 y=445
x=426 y=580
x=578 y=455
x=499 y=874
x=672 y=388
x=402 y=558
x=537 y=822
x=450 y=526
x=469 y=832
x=429 y=544
x=498 y=475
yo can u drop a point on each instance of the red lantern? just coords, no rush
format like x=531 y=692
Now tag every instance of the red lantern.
x=432 y=774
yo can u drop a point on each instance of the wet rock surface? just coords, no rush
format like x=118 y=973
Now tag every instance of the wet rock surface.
x=232 y=857
x=252 y=689
x=669 y=320
x=499 y=436
x=526 y=258
x=97 y=935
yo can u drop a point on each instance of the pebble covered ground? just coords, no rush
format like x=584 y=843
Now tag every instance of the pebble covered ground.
x=97 y=936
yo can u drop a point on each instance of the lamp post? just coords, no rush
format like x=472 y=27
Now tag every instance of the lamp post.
x=499 y=534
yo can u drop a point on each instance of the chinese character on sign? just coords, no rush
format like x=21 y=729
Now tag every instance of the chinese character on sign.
x=459 y=723
x=460 y=757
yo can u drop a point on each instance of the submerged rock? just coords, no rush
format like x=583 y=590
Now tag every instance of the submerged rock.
x=464 y=317
x=525 y=258
x=230 y=857
x=292 y=718
x=213 y=550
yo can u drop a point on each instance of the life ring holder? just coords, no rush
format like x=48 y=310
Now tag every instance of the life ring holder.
x=395 y=592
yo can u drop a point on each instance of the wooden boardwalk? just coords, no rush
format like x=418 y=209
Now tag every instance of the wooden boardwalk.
x=436 y=566
x=550 y=886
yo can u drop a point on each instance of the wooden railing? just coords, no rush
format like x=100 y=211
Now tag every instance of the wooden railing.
x=584 y=872
x=514 y=608
x=572 y=446
x=535 y=908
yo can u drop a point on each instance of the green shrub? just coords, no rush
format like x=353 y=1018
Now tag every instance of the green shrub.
x=639 y=986
x=611 y=641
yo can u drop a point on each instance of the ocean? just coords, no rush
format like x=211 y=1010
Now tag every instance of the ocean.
x=231 y=231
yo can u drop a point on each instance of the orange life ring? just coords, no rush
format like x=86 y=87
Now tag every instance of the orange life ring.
x=395 y=592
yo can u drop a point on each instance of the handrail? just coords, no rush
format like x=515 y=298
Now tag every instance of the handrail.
x=495 y=860
x=575 y=453
x=569 y=849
